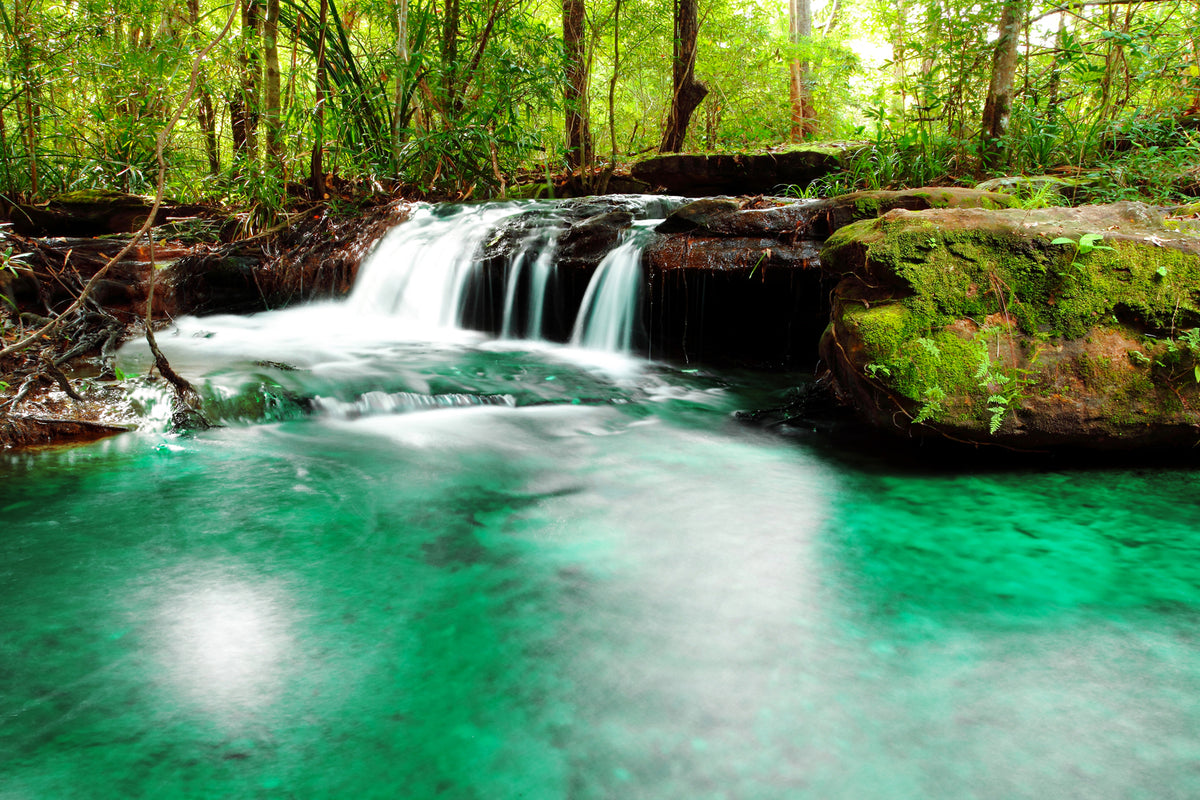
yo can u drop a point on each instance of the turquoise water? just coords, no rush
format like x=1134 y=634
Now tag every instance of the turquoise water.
x=550 y=579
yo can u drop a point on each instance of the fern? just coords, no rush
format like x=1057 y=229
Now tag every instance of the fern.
x=932 y=405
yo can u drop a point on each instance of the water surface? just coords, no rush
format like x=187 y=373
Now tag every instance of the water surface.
x=415 y=563
x=600 y=587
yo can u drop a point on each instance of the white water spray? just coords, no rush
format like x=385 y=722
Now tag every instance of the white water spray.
x=610 y=305
x=419 y=270
x=538 y=251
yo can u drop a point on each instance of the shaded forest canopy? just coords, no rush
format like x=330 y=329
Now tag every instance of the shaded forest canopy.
x=458 y=98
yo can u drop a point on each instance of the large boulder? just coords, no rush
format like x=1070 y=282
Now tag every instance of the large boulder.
x=784 y=218
x=704 y=174
x=1057 y=327
x=95 y=212
x=736 y=281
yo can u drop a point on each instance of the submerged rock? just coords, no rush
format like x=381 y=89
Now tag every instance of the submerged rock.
x=1056 y=327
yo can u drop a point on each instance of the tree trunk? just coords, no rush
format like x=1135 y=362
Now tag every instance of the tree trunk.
x=612 y=82
x=271 y=103
x=401 y=70
x=316 y=171
x=22 y=27
x=998 y=106
x=1054 y=85
x=800 y=30
x=899 y=56
x=450 y=52
x=244 y=107
x=687 y=92
x=8 y=181
x=206 y=113
x=579 y=135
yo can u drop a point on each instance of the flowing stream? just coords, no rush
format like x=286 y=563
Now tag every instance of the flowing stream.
x=419 y=562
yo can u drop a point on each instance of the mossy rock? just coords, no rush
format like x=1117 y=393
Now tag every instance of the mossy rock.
x=735 y=173
x=1072 y=190
x=815 y=219
x=977 y=325
x=93 y=212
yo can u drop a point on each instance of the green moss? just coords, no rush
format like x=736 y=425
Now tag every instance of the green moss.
x=937 y=277
x=1095 y=372
x=925 y=365
x=972 y=273
x=96 y=197
x=1133 y=397
x=938 y=199
x=867 y=207
x=838 y=149
x=883 y=328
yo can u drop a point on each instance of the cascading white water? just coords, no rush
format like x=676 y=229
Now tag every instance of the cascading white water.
x=410 y=293
x=538 y=252
x=610 y=305
x=419 y=269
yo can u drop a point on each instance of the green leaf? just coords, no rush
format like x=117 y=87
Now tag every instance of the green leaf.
x=985 y=364
x=1063 y=240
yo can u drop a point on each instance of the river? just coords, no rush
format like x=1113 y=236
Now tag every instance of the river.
x=442 y=565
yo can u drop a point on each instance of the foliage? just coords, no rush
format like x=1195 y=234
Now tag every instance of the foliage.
x=9 y=261
x=1083 y=246
x=463 y=97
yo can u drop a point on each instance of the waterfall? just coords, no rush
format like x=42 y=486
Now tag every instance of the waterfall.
x=419 y=269
x=539 y=248
x=447 y=262
x=610 y=306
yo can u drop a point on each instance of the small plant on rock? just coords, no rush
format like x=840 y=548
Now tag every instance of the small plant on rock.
x=1084 y=246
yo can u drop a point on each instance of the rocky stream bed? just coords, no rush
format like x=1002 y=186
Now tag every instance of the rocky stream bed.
x=933 y=313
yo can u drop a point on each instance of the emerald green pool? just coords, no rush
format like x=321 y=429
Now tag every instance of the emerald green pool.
x=598 y=588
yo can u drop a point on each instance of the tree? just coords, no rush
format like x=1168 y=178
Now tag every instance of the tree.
x=612 y=82
x=316 y=164
x=800 y=29
x=686 y=92
x=271 y=100
x=997 y=108
x=206 y=112
x=575 y=92
x=402 y=85
x=244 y=107
x=450 y=20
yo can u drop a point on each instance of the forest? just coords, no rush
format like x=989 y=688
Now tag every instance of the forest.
x=278 y=100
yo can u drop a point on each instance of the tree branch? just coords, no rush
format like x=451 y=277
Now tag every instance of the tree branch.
x=1076 y=6
x=160 y=146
